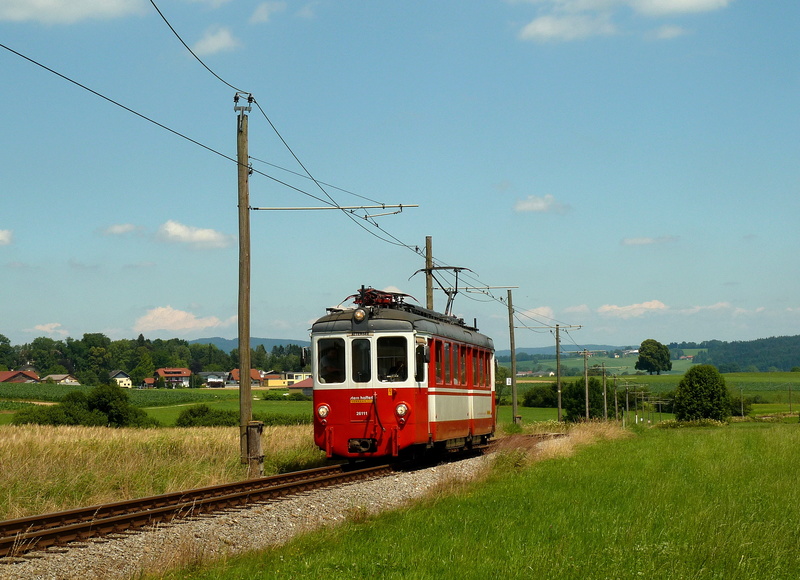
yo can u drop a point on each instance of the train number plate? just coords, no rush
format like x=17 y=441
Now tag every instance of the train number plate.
x=360 y=408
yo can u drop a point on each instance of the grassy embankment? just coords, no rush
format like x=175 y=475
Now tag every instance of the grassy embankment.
x=683 y=503
x=57 y=468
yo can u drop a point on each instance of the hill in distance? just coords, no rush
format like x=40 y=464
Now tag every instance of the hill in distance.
x=551 y=350
x=229 y=344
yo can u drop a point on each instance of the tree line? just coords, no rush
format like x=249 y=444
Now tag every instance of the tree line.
x=701 y=394
x=778 y=353
x=91 y=358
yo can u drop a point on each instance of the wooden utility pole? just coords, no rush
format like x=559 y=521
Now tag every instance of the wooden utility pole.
x=586 y=379
x=605 y=397
x=245 y=399
x=428 y=272
x=513 y=360
x=558 y=370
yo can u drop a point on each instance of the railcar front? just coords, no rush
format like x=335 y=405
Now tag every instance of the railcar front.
x=387 y=378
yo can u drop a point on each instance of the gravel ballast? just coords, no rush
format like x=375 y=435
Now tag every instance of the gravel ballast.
x=233 y=532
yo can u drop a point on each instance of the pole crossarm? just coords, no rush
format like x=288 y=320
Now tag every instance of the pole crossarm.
x=399 y=206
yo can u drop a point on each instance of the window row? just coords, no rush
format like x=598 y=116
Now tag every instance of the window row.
x=390 y=365
x=460 y=364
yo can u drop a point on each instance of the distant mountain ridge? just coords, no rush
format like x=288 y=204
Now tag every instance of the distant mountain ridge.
x=229 y=344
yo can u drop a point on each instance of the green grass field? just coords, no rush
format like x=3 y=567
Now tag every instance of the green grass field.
x=696 y=503
x=166 y=415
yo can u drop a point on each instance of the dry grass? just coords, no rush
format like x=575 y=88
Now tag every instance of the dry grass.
x=49 y=469
x=517 y=451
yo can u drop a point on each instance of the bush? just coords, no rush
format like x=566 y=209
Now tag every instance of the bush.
x=541 y=396
x=104 y=405
x=702 y=394
x=205 y=416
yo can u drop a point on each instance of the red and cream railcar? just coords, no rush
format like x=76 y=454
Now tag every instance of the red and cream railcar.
x=391 y=376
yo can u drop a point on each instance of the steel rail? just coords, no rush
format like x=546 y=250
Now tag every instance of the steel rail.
x=38 y=532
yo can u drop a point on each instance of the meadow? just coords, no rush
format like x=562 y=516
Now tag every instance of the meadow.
x=49 y=468
x=682 y=503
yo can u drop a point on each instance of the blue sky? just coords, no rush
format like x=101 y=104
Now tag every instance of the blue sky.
x=630 y=166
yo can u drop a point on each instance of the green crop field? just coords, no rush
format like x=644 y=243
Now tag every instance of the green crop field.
x=166 y=415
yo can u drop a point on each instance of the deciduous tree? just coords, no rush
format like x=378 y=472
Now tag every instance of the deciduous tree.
x=702 y=394
x=653 y=357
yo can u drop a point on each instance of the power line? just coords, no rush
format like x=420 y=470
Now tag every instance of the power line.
x=118 y=104
x=178 y=36
x=385 y=237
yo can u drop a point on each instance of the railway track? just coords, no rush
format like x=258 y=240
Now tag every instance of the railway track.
x=23 y=535
x=38 y=532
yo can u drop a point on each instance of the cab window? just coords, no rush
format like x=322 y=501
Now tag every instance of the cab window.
x=330 y=365
x=392 y=358
x=361 y=360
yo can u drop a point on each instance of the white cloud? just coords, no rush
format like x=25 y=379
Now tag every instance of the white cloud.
x=632 y=310
x=6 y=237
x=567 y=20
x=52 y=328
x=668 y=32
x=216 y=40
x=537 y=314
x=212 y=3
x=712 y=308
x=669 y=7
x=579 y=309
x=168 y=318
x=67 y=12
x=648 y=241
x=265 y=10
x=172 y=231
x=567 y=27
x=120 y=229
x=546 y=204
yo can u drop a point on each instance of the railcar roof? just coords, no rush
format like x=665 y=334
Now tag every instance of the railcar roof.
x=406 y=319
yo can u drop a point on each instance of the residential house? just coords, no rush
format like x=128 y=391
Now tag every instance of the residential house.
x=177 y=377
x=306 y=386
x=61 y=380
x=296 y=377
x=255 y=378
x=273 y=379
x=122 y=378
x=18 y=377
x=213 y=379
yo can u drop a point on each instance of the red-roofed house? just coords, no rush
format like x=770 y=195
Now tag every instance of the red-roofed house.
x=18 y=377
x=174 y=377
x=255 y=377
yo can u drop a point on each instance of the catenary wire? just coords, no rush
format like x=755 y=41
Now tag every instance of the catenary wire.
x=178 y=36
x=391 y=238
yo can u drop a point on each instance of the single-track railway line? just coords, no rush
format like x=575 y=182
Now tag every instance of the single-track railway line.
x=37 y=532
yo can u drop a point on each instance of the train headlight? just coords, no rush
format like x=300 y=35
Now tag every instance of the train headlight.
x=359 y=315
x=401 y=410
x=323 y=410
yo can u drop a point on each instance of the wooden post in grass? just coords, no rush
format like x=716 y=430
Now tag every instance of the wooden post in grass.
x=255 y=453
x=245 y=401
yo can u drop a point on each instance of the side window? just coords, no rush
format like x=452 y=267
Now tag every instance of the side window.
x=330 y=365
x=439 y=354
x=392 y=358
x=419 y=371
x=463 y=365
x=456 y=357
x=361 y=360
x=446 y=363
